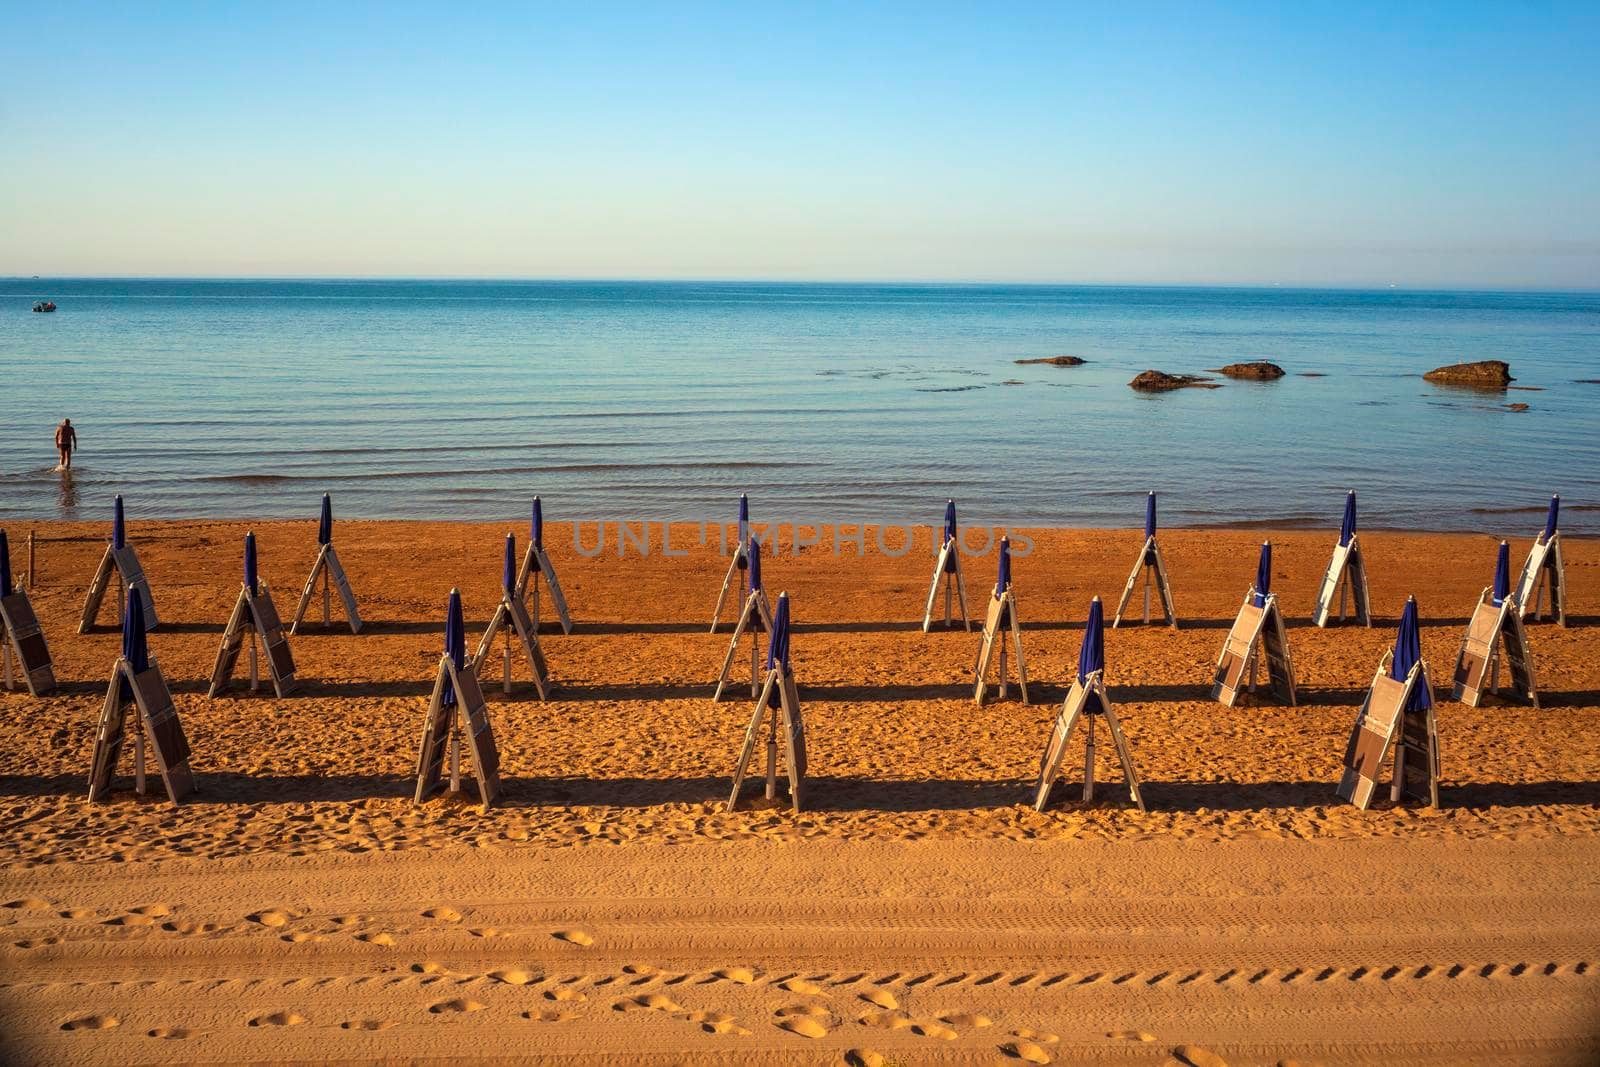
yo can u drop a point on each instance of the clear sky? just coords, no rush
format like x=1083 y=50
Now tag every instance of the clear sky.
x=1455 y=144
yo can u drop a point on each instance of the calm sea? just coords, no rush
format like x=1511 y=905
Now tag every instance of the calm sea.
x=823 y=402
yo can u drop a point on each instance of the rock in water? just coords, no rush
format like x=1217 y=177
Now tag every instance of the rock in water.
x=1056 y=361
x=1258 y=371
x=1155 y=381
x=1484 y=374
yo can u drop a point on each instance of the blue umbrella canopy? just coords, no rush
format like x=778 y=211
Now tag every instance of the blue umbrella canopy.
x=455 y=642
x=1554 y=516
x=536 y=524
x=5 y=565
x=1263 y=584
x=1408 y=653
x=1003 y=580
x=1092 y=654
x=325 y=522
x=755 y=564
x=950 y=533
x=778 y=641
x=135 y=646
x=250 y=575
x=1347 y=528
x=119 y=529
x=508 y=571
x=1150 y=516
x=1502 y=574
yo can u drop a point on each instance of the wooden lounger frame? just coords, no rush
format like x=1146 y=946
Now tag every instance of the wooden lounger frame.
x=1256 y=633
x=254 y=618
x=1543 y=571
x=779 y=703
x=1383 y=724
x=535 y=562
x=739 y=562
x=441 y=736
x=512 y=616
x=158 y=725
x=1086 y=699
x=1347 y=576
x=331 y=571
x=947 y=569
x=130 y=575
x=1154 y=570
x=755 y=618
x=1495 y=633
x=22 y=637
x=1002 y=616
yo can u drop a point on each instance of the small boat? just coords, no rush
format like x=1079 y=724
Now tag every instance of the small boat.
x=45 y=305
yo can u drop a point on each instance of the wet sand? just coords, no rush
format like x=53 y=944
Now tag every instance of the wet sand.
x=301 y=908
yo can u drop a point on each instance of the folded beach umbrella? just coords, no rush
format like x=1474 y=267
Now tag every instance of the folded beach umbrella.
x=778 y=642
x=1003 y=581
x=1407 y=653
x=119 y=530
x=1150 y=516
x=455 y=644
x=250 y=575
x=325 y=522
x=1347 y=528
x=1502 y=574
x=135 y=648
x=508 y=573
x=1264 y=574
x=5 y=565
x=950 y=533
x=755 y=564
x=1092 y=653
x=1553 y=517
x=744 y=524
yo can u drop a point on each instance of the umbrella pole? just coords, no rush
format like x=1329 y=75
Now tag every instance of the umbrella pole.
x=505 y=673
x=255 y=679
x=772 y=756
x=122 y=597
x=5 y=652
x=455 y=754
x=1344 y=595
x=1397 y=786
x=1088 y=765
x=327 y=598
x=533 y=580
x=138 y=757
x=755 y=659
x=1147 y=594
x=947 y=584
x=1253 y=658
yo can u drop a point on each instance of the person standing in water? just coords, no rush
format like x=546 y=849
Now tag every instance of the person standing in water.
x=66 y=441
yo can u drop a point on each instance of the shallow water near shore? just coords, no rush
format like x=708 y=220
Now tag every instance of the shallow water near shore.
x=824 y=402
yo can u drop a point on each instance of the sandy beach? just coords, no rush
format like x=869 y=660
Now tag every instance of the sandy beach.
x=300 y=908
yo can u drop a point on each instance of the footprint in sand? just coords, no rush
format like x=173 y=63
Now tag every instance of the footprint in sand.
x=381 y=938
x=1040 y=1036
x=279 y=1018
x=29 y=904
x=882 y=998
x=864 y=1057
x=129 y=920
x=977 y=1022
x=37 y=942
x=563 y=993
x=487 y=931
x=514 y=977
x=803 y=987
x=714 y=1022
x=886 y=1020
x=574 y=937
x=189 y=929
x=1130 y=1035
x=444 y=914
x=153 y=911
x=299 y=936
x=270 y=918
x=804 y=1025
x=741 y=975
x=76 y=914
x=169 y=1033
x=346 y=920
x=1196 y=1056
x=366 y=1024
x=938 y=1030
x=91 y=1022
x=650 y=1001
x=1027 y=1051
x=458 y=1006
x=548 y=1016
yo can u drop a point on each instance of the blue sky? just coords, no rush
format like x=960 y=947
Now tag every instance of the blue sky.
x=1418 y=145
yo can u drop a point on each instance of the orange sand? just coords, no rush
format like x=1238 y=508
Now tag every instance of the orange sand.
x=301 y=908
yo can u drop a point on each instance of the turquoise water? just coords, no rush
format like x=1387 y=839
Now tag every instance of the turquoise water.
x=824 y=402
